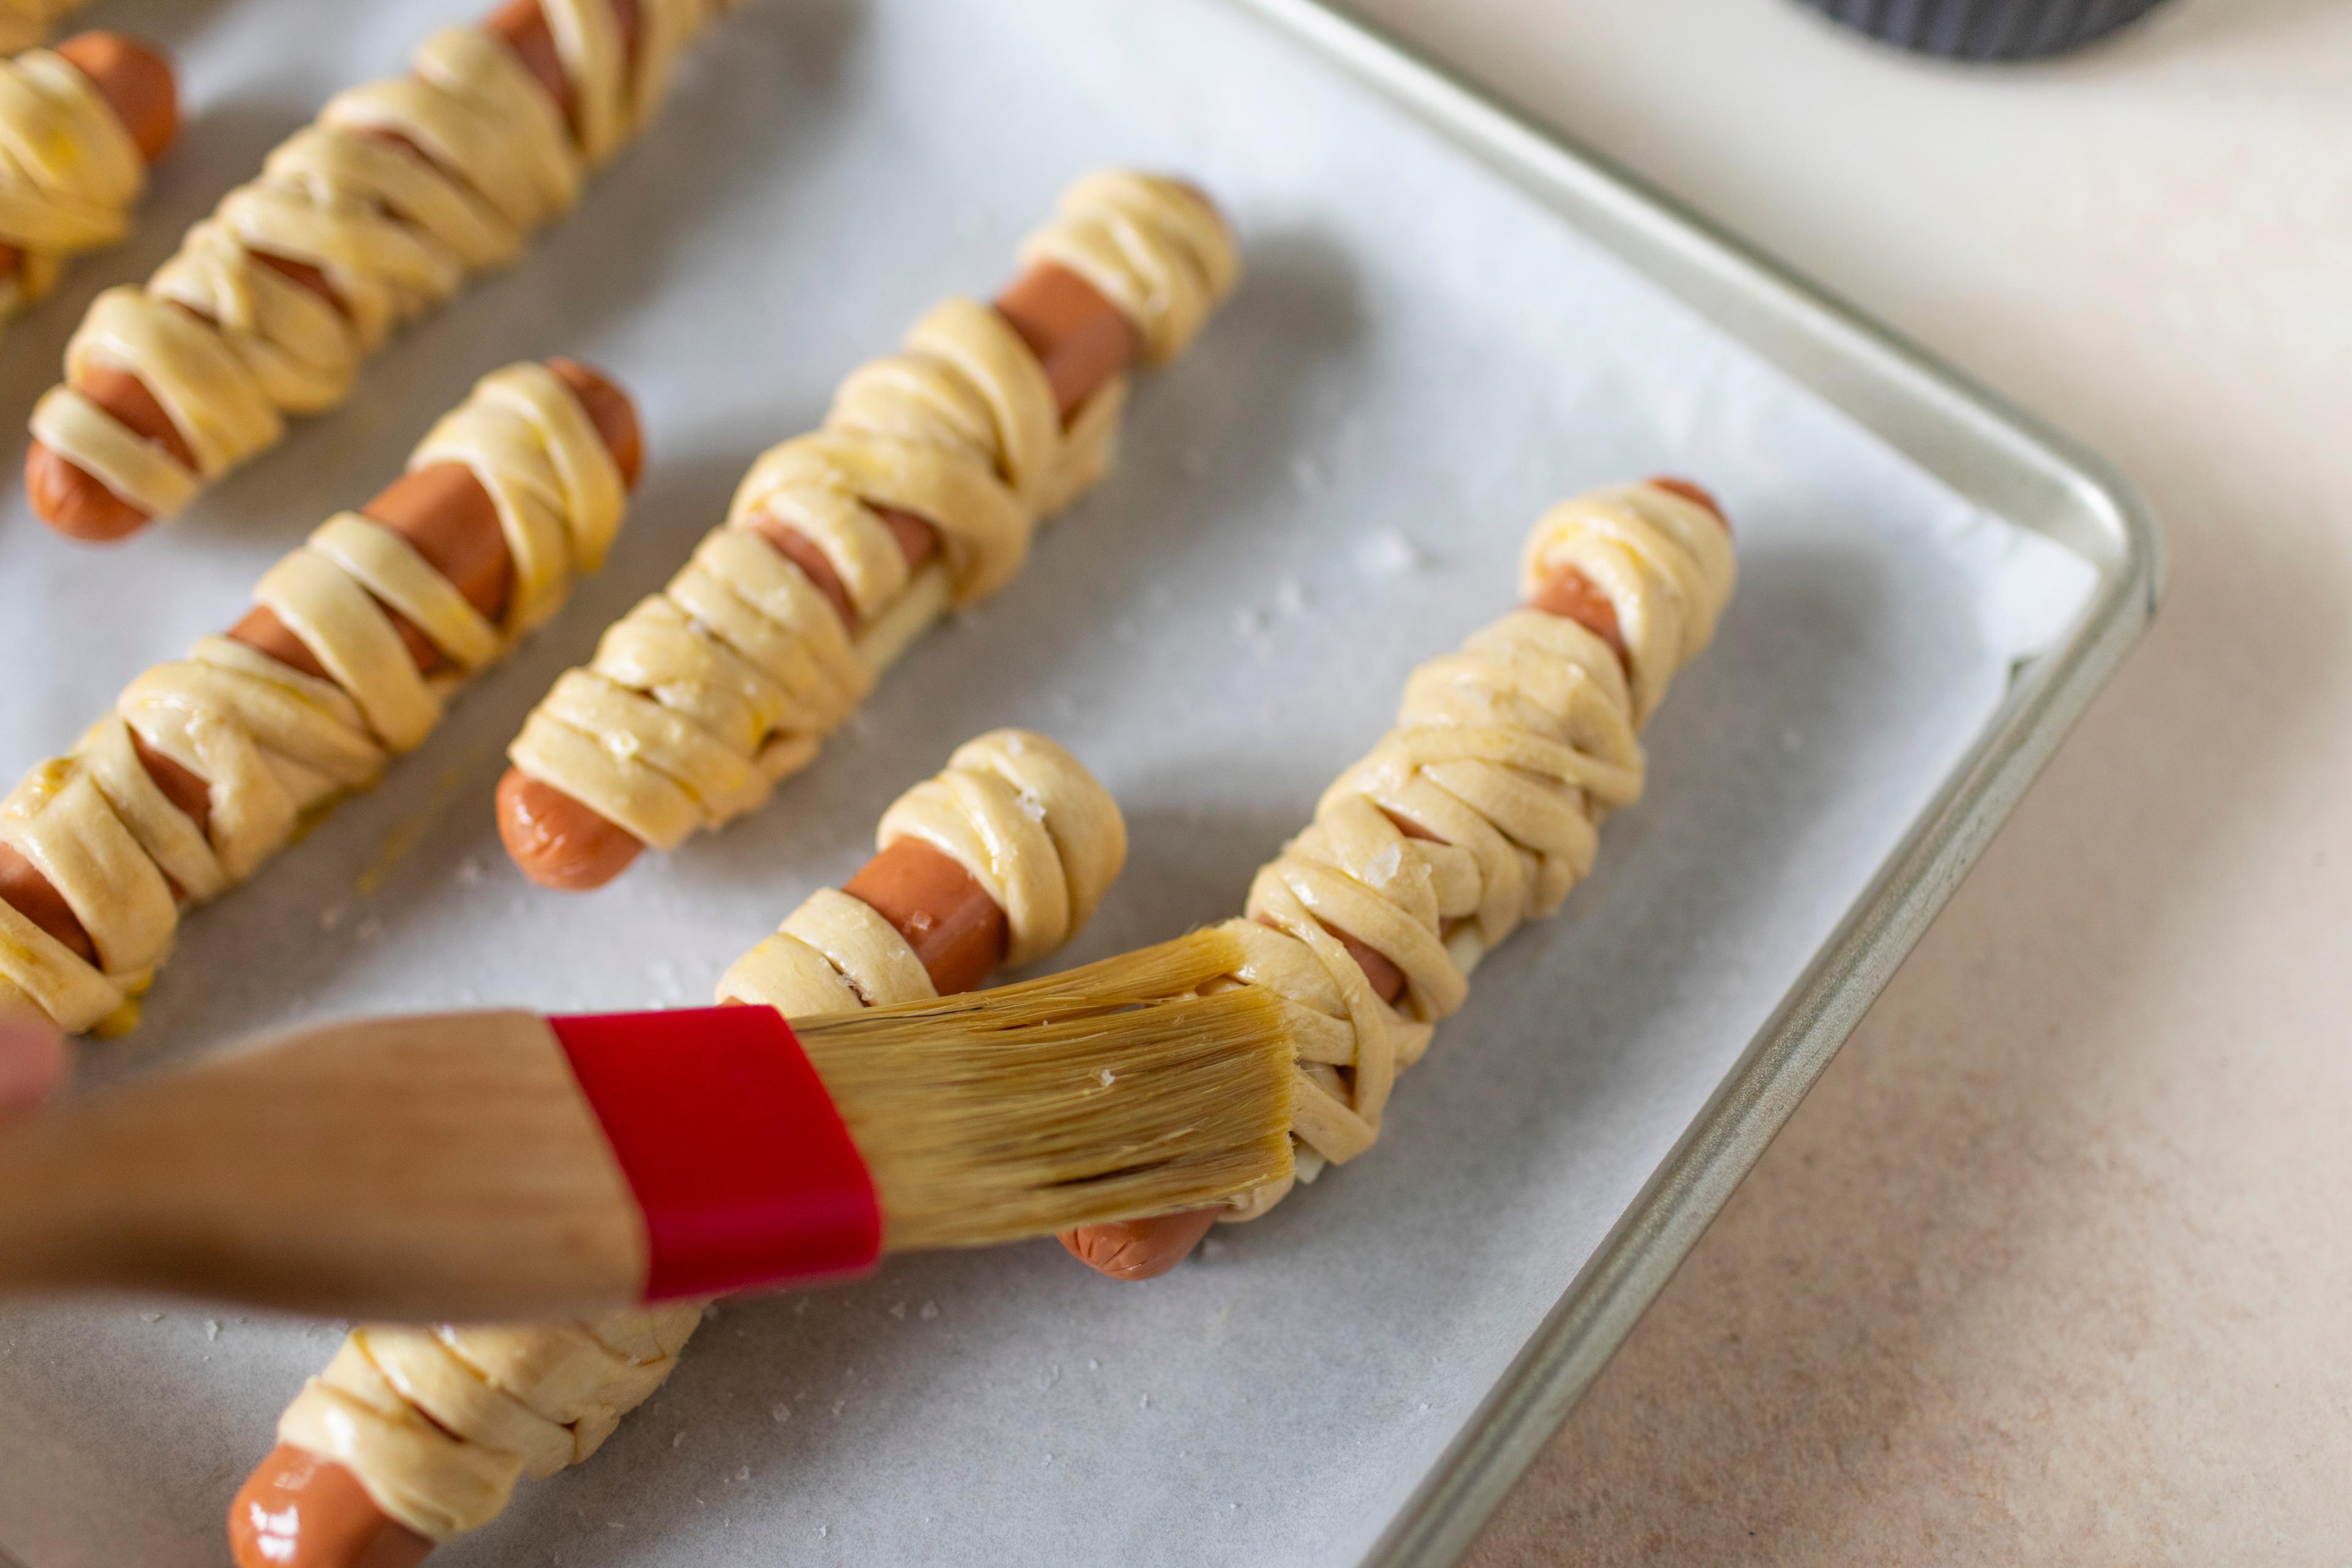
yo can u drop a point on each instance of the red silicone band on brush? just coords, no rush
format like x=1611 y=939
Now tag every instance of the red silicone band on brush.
x=740 y=1164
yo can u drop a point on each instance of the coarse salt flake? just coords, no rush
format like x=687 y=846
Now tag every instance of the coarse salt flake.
x=1390 y=554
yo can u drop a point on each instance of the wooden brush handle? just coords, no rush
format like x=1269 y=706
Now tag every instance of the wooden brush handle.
x=296 y=1175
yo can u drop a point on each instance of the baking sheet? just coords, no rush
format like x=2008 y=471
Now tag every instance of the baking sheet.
x=1330 y=488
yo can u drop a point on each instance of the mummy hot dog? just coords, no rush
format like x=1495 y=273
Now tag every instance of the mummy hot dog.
x=79 y=126
x=206 y=766
x=360 y=221
x=411 y=1436
x=921 y=489
x=1478 y=811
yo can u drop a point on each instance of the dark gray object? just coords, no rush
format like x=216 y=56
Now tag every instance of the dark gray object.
x=1986 y=29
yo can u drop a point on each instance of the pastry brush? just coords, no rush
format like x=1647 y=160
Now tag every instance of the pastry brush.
x=505 y=1165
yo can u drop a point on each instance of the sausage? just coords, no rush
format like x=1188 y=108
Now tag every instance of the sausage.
x=1691 y=492
x=1144 y=1248
x=76 y=502
x=524 y=27
x=136 y=83
x=1571 y=594
x=1141 y=1248
x=957 y=930
x=300 y=1509
x=444 y=512
x=1076 y=333
x=1081 y=339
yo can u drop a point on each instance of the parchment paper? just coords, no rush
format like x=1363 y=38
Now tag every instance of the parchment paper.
x=1329 y=489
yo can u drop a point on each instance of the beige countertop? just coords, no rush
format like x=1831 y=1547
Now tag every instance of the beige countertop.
x=2055 y=1265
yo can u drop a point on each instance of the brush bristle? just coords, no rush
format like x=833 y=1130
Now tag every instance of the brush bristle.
x=1107 y=1093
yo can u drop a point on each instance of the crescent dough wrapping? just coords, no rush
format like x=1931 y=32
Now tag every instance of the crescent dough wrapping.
x=438 y=1423
x=276 y=746
x=23 y=23
x=68 y=169
x=1508 y=753
x=395 y=233
x=706 y=695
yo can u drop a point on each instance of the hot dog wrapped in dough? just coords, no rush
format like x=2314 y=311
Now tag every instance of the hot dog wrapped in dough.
x=79 y=126
x=380 y=209
x=209 y=764
x=1481 y=809
x=414 y=1435
x=921 y=490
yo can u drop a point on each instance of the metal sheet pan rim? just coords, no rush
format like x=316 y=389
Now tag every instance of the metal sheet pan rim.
x=1985 y=447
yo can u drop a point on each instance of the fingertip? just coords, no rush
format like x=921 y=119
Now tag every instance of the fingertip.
x=34 y=1060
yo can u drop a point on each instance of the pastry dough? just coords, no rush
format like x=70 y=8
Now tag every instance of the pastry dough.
x=276 y=746
x=393 y=231
x=1509 y=753
x=69 y=171
x=706 y=695
x=439 y=1423
x=23 y=23
x=1019 y=814
x=1147 y=246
